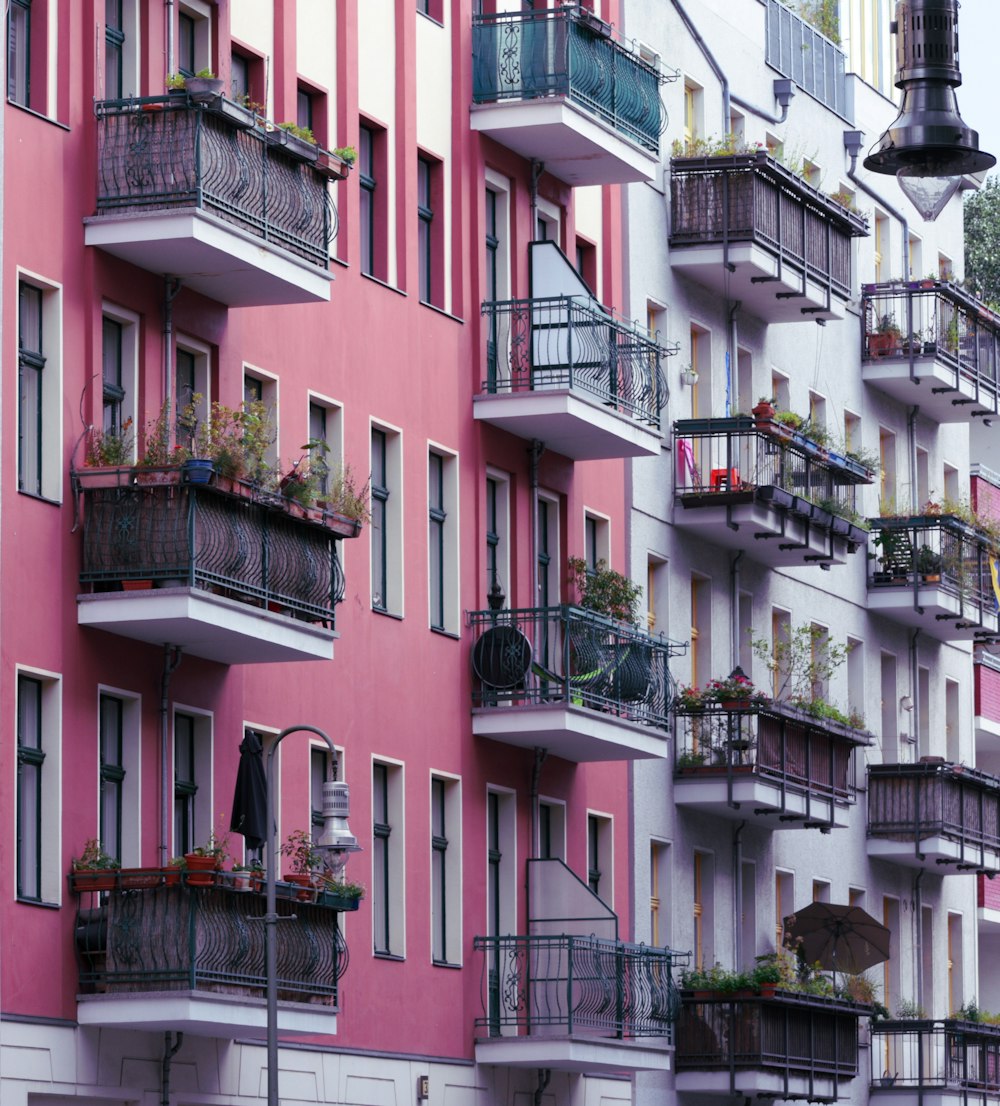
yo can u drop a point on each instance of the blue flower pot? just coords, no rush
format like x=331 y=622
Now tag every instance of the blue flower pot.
x=198 y=470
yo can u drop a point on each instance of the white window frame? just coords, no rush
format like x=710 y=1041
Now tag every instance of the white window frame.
x=452 y=868
x=501 y=186
x=131 y=817
x=52 y=383
x=451 y=568
x=507 y=800
x=129 y=322
x=502 y=481
x=202 y=354
x=201 y=13
x=394 y=599
x=271 y=399
x=605 y=854
x=558 y=820
x=204 y=802
x=396 y=883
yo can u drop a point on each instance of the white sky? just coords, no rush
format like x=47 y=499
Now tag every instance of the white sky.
x=978 y=35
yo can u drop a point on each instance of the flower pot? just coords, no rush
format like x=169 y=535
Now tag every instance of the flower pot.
x=200 y=870
x=136 y=585
x=152 y=477
x=103 y=477
x=341 y=525
x=203 y=90
x=198 y=470
x=239 y=881
x=95 y=879
x=763 y=413
x=882 y=345
x=331 y=166
x=304 y=881
x=734 y=704
x=134 y=878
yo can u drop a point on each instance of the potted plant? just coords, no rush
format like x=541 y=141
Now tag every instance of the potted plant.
x=342 y=892
x=336 y=164
x=94 y=869
x=160 y=463
x=928 y=564
x=108 y=458
x=345 y=502
x=306 y=861
x=886 y=337
x=299 y=141
x=763 y=413
x=203 y=861
x=204 y=87
x=240 y=877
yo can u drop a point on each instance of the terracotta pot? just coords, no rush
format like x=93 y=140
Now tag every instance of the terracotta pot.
x=200 y=870
x=95 y=879
x=304 y=881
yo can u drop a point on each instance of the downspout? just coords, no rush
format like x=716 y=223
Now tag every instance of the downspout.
x=854 y=149
x=734 y=603
x=769 y=116
x=536 y=773
x=738 y=892
x=537 y=168
x=169 y=1052
x=171 y=286
x=710 y=58
x=544 y=1075
x=171 y=659
x=169 y=6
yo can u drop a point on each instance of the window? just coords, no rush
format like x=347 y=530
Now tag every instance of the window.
x=547 y=569
x=386 y=521
x=497 y=242
x=586 y=262
x=192 y=781
x=191 y=385
x=387 y=858
x=442 y=533
x=30 y=379
x=446 y=906
x=239 y=77
x=887 y=463
x=30 y=762
x=784 y=889
x=497 y=534
x=325 y=437
x=701 y=641
x=781 y=636
x=551 y=829
x=599 y=856
x=194 y=37
x=114 y=42
x=693 y=111
x=501 y=861
x=656 y=592
x=260 y=388
x=658 y=875
x=374 y=210
x=433 y=9
x=19 y=46
x=548 y=221
x=881 y=244
x=112 y=718
x=596 y=542
x=113 y=384
x=703 y=947
x=425 y=228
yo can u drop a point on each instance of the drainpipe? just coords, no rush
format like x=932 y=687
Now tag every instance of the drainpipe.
x=169 y=6
x=169 y=1052
x=544 y=1075
x=784 y=90
x=537 y=168
x=734 y=604
x=738 y=893
x=171 y=286
x=710 y=58
x=171 y=659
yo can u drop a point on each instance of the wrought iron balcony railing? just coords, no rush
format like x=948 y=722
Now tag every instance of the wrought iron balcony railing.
x=930 y=1055
x=752 y=198
x=775 y=741
x=566 y=52
x=935 y=319
x=789 y=1032
x=199 y=536
x=166 y=153
x=539 y=655
x=568 y=342
x=587 y=985
x=737 y=460
x=154 y=930
x=942 y=551
x=916 y=803
x=817 y=65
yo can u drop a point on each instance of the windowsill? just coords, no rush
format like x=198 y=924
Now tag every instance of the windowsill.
x=442 y=311
x=40 y=498
x=442 y=632
x=38 y=114
x=388 y=956
x=387 y=614
x=385 y=284
x=446 y=964
x=38 y=902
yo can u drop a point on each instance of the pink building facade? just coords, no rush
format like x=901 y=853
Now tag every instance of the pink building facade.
x=164 y=253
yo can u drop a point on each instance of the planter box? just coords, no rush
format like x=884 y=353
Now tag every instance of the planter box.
x=105 y=477
x=331 y=166
x=341 y=525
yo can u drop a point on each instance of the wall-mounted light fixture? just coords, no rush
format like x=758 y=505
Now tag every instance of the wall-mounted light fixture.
x=928 y=148
x=906 y=703
x=689 y=376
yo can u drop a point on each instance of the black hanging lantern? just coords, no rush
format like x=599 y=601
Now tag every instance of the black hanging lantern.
x=929 y=147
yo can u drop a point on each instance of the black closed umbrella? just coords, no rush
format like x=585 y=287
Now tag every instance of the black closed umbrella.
x=838 y=938
x=250 y=800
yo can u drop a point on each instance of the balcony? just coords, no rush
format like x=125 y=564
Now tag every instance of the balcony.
x=571 y=681
x=157 y=952
x=770 y=492
x=184 y=191
x=575 y=1003
x=817 y=65
x=932 y=572
x=750 y=230
x=933 y=815
x=929 y=342
x=788 y=1046
x=567 y=372
x=931 y=1061
x=768 y=763
x=232 y=579
x=557 y=86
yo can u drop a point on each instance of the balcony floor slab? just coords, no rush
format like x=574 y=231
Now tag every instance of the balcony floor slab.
x=761 y=531
x=203 y=1014
x=206 y=625
x=211 y=256
x=576 y=146
x=578 y=1053
x=756 y=278
x=932 y=387
x=939 y=613
x=579 y=734
x=757 y=800
x=568 y=423
x=935 y=854
x=753 y=1083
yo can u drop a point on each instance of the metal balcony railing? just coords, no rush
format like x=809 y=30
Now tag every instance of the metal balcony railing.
x=935 y=550
x=165 y=153
x=913 y=802
x=550 y=654
x=817 y=65
x=153 y=931
x=566 y=52
x=570 y=342
x=201 y=537
x=775 y=741
x=588 y=985
x=752 y=198
x=789 y=1032
x=736 y=459
x=935 y=318
x=927 y=1055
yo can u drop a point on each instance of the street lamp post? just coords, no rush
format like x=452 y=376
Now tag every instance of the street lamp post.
x=337 y=840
